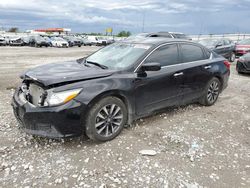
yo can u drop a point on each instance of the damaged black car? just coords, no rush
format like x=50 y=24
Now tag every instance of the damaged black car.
x=100 y=94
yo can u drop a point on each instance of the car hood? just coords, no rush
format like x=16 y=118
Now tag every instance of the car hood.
x=70 y=71
x=247 y=57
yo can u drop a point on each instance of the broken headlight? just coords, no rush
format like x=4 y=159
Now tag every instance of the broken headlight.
x=57 y=98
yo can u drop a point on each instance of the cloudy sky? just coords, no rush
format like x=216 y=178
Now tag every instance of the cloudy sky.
x=189 y=16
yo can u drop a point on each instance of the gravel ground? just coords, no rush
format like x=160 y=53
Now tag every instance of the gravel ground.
x=195 y=146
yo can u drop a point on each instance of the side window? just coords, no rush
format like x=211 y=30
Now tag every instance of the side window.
x=192 y=53
x=226 y=42
x=165 y=55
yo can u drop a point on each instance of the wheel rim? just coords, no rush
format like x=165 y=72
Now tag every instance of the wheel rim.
x=213 y=92
x=108 y=120
x=233 y=57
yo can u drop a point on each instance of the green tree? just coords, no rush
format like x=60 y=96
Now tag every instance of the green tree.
x=13 y=29
x=124 y=34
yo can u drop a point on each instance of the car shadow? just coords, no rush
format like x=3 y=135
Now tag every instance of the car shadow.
x=84 y=141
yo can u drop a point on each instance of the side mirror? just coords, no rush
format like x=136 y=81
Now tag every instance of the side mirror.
x=151 y=66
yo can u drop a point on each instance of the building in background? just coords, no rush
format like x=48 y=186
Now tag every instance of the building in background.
x=50 y=31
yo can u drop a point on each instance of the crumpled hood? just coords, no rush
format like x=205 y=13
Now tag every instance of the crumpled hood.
x=65 y=72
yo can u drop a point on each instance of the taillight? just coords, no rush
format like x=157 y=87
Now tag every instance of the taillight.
x=227 y=64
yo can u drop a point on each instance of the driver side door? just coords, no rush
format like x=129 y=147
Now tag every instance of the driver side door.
x=159 y=89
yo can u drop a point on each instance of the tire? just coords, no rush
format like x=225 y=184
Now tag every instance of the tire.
x=212 y=92
x=232 y=57
x=103 y=126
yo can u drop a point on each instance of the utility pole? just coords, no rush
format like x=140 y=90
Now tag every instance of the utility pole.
x=143 y=21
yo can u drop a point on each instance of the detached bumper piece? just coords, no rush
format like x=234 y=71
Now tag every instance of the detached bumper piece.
x=51 y=122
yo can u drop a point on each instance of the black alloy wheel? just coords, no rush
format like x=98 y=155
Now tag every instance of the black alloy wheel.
x=106 y=119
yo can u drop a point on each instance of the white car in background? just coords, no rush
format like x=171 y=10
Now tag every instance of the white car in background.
x=59 y=42
x=92 y=39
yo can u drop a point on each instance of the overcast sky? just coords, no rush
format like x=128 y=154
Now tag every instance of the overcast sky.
x=188 y=16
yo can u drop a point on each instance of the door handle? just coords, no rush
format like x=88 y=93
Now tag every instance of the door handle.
x=178 y=74
x=208 y=67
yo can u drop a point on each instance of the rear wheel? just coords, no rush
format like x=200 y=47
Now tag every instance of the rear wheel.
x=211 y=92
x=106 y=119
x=232 y=57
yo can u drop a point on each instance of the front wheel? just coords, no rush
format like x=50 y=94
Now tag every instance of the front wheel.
x=106 y=119
x=212 y=91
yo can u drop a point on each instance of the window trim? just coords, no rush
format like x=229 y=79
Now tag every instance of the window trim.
x=179 y=49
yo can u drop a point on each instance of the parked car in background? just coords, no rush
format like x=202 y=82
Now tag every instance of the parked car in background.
x=98 y=40
x=3 y=42
x=243 y=64
x=16 y=41
x=73 y=41
x=179 y=35
x=48 y=40
x=38 y=41
x=242 y=47
x=101 y=41
x=85 y=41
x=161 y=34
x=59 y=42
x=26 y=40
x=120 y=83
x=92 y=40
x=224 y=47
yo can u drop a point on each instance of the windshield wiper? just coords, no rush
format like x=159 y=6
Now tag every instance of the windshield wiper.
x=96 y=64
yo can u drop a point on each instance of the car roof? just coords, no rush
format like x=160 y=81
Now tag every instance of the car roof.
x=154 y=40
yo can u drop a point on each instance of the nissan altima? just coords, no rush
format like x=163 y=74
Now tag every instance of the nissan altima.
x=99 y=94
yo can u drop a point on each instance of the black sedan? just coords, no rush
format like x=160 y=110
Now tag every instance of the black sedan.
x=224 y=47
x=120 y=83
x=38 y=41
x=73 y=41
x=243 y=64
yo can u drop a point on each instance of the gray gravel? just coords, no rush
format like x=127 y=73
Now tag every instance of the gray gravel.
x=193 y=146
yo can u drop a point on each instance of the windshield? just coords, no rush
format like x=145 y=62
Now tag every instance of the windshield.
x=208 y=42
x=246 y=41
x=119 y=55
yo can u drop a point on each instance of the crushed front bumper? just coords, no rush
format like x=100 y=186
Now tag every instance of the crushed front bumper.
x=52 y=122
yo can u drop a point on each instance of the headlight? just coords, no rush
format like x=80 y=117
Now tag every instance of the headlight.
x=62 y=97
x=242 y=59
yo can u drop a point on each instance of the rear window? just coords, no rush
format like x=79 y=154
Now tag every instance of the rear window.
x=245 y=41
x=191 y=53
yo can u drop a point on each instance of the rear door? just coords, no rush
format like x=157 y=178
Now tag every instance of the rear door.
x=195 y=63
x=229 y=48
